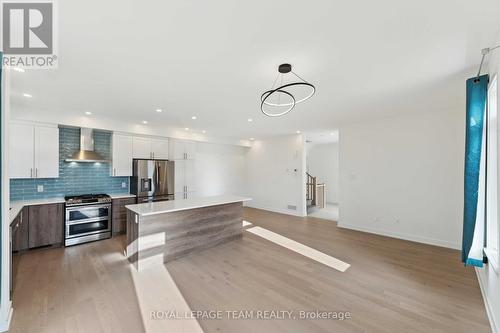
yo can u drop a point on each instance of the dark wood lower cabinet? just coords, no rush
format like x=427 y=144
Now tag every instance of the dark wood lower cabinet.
x=21 y=224
x=46 y=225
x=119 y=214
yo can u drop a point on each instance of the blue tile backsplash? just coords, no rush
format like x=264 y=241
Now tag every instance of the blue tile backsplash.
x=74 y=178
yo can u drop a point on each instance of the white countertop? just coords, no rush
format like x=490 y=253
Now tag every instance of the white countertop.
x=160 y=207
x=17 y=205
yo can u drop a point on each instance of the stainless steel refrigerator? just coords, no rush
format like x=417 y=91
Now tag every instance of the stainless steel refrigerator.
x=152 y=180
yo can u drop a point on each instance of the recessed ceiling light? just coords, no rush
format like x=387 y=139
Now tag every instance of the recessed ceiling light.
x=186 y=128
x=27 y=95
x=203 y=131
x=250 y=120
x=298 y=132
x=193 y=117
x=19 y=69
x=144 y=122
x=88 y=113
x=251 y=139
x=159 y=110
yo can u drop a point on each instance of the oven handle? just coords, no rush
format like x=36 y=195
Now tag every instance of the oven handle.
x=94 y=219
x=73 y=208
x=86 y=233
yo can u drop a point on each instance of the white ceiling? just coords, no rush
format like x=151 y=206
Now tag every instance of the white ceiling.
x=122 y=59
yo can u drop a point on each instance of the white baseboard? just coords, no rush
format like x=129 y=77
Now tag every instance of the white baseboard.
x=409 y=237
x=273 y=209
x=487 y=305
x=5 y=322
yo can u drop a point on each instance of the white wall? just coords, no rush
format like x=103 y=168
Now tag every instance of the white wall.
x=403 y=177
x=323 y=163
x=220 y=169
x=272 y=182
x=488 y=278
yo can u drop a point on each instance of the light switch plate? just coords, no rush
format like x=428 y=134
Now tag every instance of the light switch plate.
x=124 y=184
x=39 y=188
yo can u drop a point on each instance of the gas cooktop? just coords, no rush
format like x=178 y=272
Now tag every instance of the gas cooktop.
x=86 y=199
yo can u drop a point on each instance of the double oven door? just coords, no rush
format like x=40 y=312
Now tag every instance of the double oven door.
x=87 y=223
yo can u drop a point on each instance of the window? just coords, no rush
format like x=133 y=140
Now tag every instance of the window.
x=492 y=218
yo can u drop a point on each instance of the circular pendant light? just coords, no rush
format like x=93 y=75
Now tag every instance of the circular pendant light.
x=271 y=104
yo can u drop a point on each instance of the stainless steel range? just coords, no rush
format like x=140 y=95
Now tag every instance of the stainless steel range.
x=88 y=218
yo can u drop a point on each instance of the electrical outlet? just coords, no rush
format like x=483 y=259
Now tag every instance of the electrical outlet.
x=124 y=184
x=39 y=188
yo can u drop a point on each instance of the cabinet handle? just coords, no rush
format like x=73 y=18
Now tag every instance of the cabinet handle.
x=31 y=172
x=114 y=171
x=36 y=172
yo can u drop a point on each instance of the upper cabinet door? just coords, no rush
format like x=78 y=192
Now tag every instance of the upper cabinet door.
x=177 y=150
x=46 y=152
x=122 y=155
x=190 y=150
x=21 y=150
x=141 y=147
x=159 y=148
x=182 y=150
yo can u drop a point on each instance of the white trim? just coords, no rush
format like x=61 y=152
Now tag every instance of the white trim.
x=487 y=305
x=5 y=322
x=404 y=236
x=275 y=210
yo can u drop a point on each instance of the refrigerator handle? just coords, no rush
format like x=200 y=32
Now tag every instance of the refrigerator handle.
x=158 y=176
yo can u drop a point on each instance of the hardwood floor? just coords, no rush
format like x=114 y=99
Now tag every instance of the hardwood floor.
x=391 y=286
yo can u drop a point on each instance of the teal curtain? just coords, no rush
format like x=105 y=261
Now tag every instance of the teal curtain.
x=475 y=172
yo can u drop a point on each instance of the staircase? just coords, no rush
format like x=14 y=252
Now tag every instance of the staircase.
x=310 y=191
x=315 y=194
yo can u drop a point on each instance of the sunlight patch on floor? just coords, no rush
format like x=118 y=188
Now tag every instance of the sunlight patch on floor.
x=300 y=248
x=246 y=224
x=157 y=293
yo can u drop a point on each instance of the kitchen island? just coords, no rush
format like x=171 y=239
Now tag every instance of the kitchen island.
x=158 y=232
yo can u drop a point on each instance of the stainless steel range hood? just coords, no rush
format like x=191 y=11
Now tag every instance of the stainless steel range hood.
x=86 y=153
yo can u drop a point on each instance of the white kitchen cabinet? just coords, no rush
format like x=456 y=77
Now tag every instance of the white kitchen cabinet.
x=21 y=150
x=184 y=181
x=141 y=147
x=121 y=165
x=159 y=148
x=182 y=150
x=33 y=151
x=189 y=177
x=179 y=178
x=185 y=195
x=46 y=152
x=150 y=148
x=190 y=150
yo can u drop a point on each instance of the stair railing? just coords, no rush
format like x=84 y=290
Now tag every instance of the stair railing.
x=311 y=189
